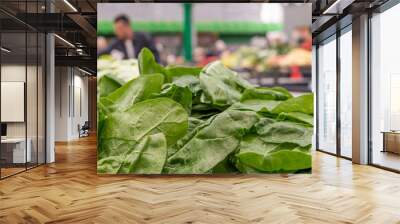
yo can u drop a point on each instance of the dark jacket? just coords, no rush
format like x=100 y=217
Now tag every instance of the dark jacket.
x=140 y=40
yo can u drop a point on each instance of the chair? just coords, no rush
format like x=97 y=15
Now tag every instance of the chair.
x=84 y=130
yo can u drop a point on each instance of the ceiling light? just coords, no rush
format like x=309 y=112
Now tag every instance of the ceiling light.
x=338 y=6
x=5 y=50
x=64 y=40
x=70 y=5
x=84 y=71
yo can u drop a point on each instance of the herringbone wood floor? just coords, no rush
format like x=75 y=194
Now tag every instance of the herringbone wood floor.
x=70 y=191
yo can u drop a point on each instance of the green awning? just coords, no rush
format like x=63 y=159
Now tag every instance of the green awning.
x=105 y=28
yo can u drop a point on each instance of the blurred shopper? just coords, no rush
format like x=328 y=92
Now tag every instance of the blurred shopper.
x=128 y=43
x=101 y=44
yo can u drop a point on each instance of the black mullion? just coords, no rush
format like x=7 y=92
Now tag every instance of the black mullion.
x=369 y=90
x=26 y=87
x=37 y=90
x=45 y=90
x=0 y=96
x=338 y=98
x=316 y=97
x=45 y=94
x=73 y=91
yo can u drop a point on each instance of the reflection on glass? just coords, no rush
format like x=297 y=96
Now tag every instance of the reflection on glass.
x=346 y=94
x=327 y=96
x=385 y=89
x=15 y=150
x=41 y=99
x=31 y=97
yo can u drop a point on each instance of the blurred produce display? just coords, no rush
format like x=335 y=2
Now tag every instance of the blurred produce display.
x=119 y=70
x=295 y=57
x=250 y=58
x=263 y=60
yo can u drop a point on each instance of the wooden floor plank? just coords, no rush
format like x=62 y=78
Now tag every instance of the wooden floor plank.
x=70 y=191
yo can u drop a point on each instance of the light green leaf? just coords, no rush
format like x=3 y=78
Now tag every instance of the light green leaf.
x=123 y=130
x=303 y=104
x=132 y=92
x=148 y=64
x=174 y=72
x=146 y=157
x=296 y=117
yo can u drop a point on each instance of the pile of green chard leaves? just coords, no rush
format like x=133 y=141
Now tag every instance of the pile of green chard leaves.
x=188 y=120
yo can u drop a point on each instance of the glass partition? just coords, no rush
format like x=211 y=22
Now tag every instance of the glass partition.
x=327 y=95
x=14 y=153
x=346 y=92
x=385 y=89
x=41 y=96
x=22 y=77
x=32 y=97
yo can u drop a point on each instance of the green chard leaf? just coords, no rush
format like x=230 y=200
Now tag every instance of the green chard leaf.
x=124 y=131
x=175 y=72
x=107 y=85
x=260 y=156
x=211 y=143
x=132 y=92
x=190 y=81
x=303 y=104
x=148 y=64
x=262 y=93
x=221 y=86
x=285 y=132
x=297 y=117
x=182 y=95
x=147 y=157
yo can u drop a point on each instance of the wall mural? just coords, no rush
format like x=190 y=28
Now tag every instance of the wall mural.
x=185 y=118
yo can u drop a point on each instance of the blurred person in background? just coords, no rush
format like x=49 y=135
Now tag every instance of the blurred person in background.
x=101 y=44
x=220 y=47
x=128 y=43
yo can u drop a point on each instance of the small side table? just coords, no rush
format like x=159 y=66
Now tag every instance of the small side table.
x=391 y=141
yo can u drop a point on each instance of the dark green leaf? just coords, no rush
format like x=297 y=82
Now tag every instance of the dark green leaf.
x=221 y=86
x=190 y=81
x=262 y=93
x=270 y=157
x=286 y=132
x=107 y=85
x=182 y=95
x=212 y=143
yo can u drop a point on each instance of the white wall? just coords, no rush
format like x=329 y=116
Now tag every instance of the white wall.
x=70 y=83
x=12 y=73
